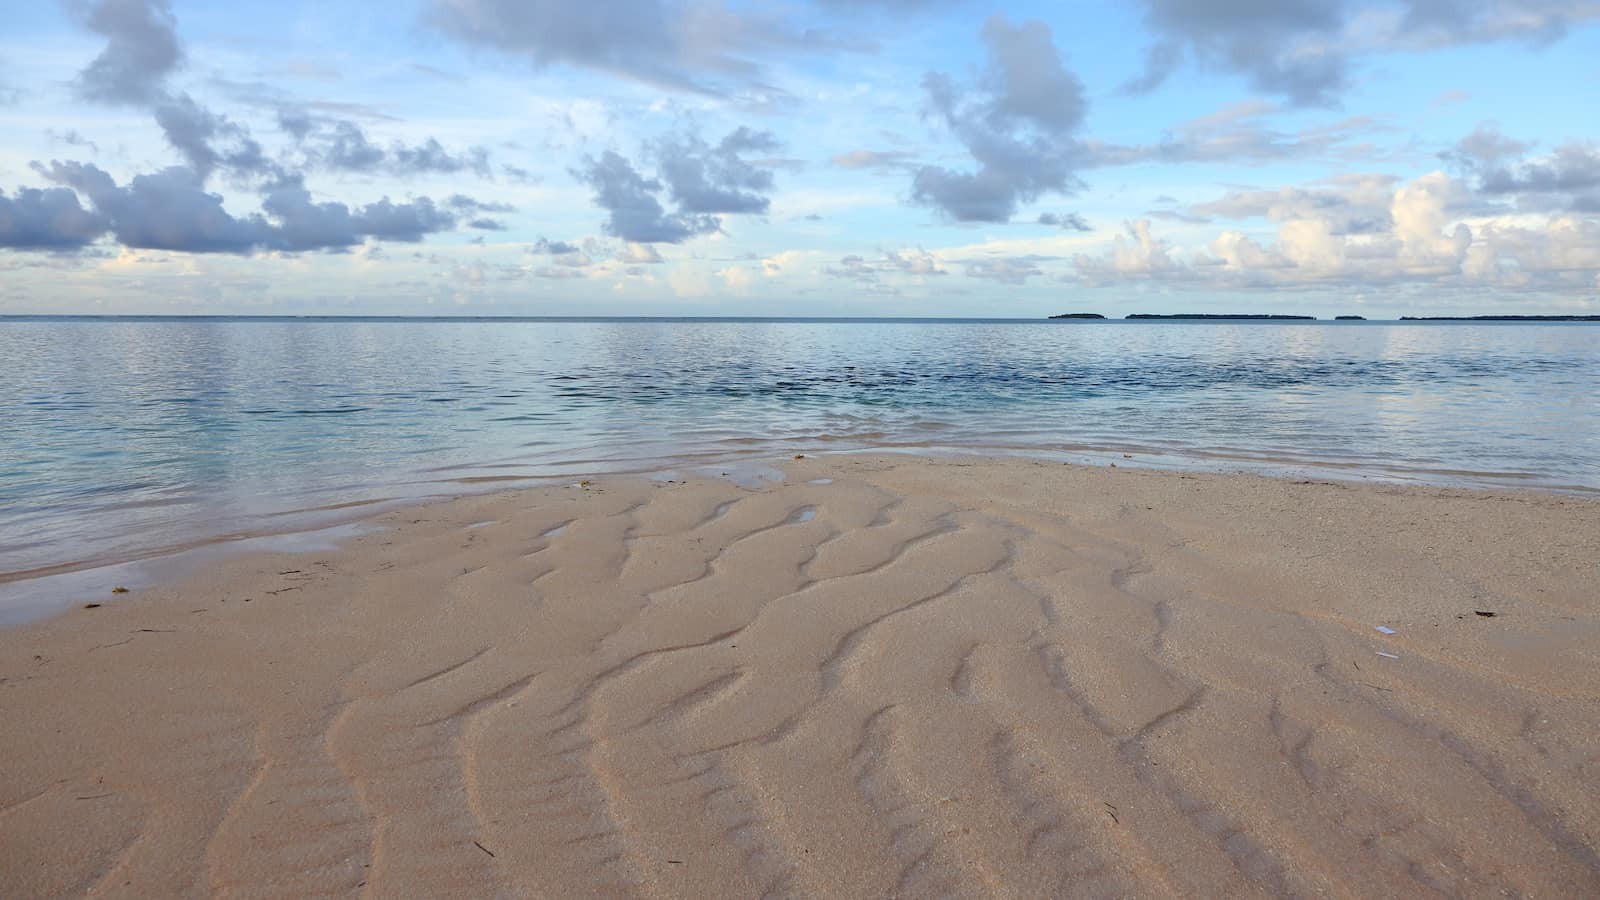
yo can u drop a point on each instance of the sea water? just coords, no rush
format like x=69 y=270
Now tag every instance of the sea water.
x=127 y=438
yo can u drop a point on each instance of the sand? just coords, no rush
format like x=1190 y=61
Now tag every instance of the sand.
x=928 y=677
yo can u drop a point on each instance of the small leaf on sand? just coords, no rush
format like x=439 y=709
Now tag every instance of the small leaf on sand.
x=119 y=590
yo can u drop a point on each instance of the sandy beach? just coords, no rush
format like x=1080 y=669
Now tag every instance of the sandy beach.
x=884 y=676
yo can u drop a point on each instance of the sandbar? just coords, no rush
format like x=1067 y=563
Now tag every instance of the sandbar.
x=882 y=676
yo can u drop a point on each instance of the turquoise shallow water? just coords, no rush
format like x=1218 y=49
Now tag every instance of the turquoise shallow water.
x=124 y=438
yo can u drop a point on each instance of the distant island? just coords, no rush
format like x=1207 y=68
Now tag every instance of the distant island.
x=1248 y=317
x=1260 y=317
x=1500 y=318
x=1221 y=316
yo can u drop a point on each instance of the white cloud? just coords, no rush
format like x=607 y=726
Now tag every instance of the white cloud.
x=1138 y=253
x=1430 y=230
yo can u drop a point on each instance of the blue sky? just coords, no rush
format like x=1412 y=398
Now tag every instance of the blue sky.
x=897 y=157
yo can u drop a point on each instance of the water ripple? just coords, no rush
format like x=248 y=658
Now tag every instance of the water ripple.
x=122 y=436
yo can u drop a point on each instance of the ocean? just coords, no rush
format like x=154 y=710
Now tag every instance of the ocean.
x=122 y=439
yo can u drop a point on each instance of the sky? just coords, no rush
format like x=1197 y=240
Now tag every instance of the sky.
x=792 y=158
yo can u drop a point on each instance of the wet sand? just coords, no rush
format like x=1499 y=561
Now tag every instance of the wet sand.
x=924 y=678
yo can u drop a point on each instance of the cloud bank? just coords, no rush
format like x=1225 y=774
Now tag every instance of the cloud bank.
x=172 y=209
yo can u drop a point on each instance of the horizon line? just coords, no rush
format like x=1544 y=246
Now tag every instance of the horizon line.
x=1286 y=319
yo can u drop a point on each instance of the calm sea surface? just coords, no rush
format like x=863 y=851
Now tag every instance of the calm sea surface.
x=122 y=438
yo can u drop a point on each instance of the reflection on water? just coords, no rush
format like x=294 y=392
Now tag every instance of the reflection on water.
x=121 y=437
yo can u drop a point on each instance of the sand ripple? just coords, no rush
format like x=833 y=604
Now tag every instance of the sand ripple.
x=919 y=678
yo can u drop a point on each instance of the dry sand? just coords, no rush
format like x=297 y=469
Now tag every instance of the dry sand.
x=926 y=678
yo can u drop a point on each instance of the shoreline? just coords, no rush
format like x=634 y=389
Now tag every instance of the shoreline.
x=885 y=673
x=33 y=586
